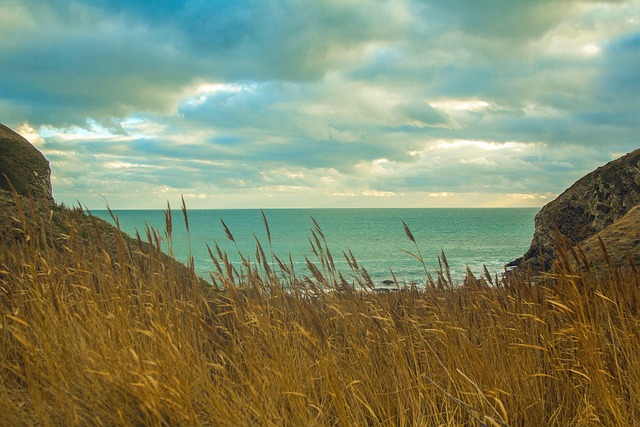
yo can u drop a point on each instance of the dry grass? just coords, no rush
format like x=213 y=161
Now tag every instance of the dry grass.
x=622 y=238
x=91 y=335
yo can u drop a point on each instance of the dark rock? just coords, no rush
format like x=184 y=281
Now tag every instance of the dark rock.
x=23 y=166
x=593 y=203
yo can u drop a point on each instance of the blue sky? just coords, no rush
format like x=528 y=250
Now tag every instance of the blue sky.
x=326 y=103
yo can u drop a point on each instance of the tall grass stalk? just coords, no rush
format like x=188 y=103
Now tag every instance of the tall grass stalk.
x=99 y=329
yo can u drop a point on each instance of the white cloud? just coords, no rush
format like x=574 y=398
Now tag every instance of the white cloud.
x=30 y=134
x=127 y=165
x=478 y=161
x=91 y=131
x=461 y=104
x=591 y=49
x=485 y=145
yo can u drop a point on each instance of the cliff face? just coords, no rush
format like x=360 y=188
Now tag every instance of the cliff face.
x=592 y=204
x=23 y=166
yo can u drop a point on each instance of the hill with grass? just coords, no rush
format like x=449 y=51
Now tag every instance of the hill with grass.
x=617 y=245
x=588 y=207
x=26 y=202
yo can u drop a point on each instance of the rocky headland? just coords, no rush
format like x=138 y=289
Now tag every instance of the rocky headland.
x=601 y=206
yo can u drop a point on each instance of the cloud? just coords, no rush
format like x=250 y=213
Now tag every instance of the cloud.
x=337 y=102
x=508 y=20
x=111 y=59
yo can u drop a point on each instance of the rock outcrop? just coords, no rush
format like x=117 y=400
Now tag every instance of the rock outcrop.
x=593 y=203
x=23 y=166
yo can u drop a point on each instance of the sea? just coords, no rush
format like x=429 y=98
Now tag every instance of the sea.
x=470 y=238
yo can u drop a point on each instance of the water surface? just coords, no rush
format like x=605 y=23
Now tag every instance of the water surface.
x=376 y=237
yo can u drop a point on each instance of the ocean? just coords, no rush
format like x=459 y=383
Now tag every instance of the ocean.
x=376 y=237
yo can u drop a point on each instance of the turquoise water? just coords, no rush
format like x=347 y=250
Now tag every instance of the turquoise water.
x=376 y=237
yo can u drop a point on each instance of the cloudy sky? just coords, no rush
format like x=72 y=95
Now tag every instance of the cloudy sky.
x=321 y=103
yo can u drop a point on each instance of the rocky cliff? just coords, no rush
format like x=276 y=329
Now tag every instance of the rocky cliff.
x=593 y=203
x=22 y=165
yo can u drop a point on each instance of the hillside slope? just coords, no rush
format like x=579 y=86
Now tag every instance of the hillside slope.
x=621 y=240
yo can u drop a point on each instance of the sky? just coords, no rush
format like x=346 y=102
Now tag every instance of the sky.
x=320 y=103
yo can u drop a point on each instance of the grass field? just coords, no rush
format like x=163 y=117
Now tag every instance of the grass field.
x=98 y=329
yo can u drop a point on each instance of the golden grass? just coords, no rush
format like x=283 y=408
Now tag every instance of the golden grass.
x=96 y=335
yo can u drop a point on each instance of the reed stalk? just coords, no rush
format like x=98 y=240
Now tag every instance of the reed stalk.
x=96 y=328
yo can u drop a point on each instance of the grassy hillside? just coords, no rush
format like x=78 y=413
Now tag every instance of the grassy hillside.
x=97 y=333
x=621 y=240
